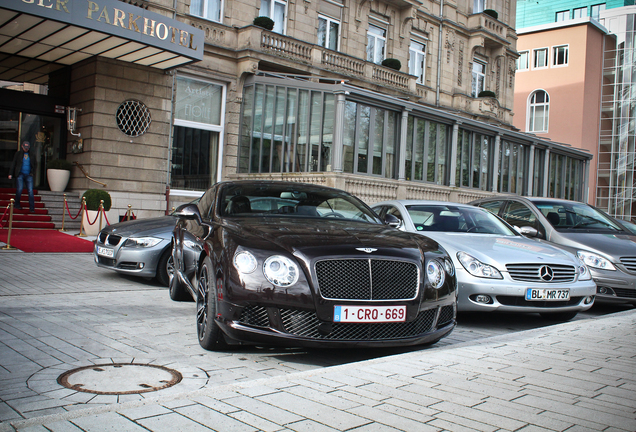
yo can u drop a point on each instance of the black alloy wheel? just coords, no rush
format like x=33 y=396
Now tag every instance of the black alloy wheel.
x=210 y=335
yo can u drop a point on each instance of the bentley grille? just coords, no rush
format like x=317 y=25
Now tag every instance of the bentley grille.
x=629 y=263
x=547 y=273
x=367 y=279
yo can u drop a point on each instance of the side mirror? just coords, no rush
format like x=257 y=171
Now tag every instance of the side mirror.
x=392 y=221
x=188 y=212
x=528 y=231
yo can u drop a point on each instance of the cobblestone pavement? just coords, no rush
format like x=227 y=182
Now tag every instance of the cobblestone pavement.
x=60 y=311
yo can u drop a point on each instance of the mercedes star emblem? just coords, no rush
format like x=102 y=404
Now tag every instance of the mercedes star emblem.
x=546 y=273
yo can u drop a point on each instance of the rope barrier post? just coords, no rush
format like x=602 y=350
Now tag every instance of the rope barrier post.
x=128 y=212
x=8 y=246
x=101 y=213
x=63 y=214
x=82 y=210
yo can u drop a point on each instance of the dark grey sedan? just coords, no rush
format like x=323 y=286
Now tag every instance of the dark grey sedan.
x=608 y=249
x=138 y=247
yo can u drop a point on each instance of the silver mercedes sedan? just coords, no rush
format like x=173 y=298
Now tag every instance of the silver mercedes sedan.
x=498 y=269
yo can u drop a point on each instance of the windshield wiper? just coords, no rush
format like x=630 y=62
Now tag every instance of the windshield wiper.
x=591 y=221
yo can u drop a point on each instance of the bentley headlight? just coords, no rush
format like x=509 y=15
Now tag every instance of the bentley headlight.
x=595 y=260
x=449 y=267
x=142 y=242
x=478 y=268
x=281 y=271
x=245 y=262
x=435 y=273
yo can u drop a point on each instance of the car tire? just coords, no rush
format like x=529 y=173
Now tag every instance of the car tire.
x=558 y=316
x=210 y=335
x=165 y=268
x=177 y=290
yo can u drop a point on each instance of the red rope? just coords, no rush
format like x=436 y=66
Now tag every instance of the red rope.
x=5 y=213
x=69 y=211
x=106 y=217
x=88 y=219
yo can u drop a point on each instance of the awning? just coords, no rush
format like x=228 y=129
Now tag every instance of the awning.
x=38 y=37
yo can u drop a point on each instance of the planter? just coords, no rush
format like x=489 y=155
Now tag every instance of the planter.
x=58 y=179
x=92 y=230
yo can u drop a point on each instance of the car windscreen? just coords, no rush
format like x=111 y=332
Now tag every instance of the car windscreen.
x=449 y=218
x=301 y=201
x=575 y=216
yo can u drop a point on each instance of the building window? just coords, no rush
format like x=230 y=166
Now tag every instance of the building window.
x=474 y=159
x=427 y=150
x=479 y=76
x=197 y=135
x=596 y=10
x=538 y=172
x=562 y=16
x=540 y=58
x=376 y=41
x=328 y=32
x=209 y=9
x=417 y=61
x=560 y=55
x=277 y=11
x=478 y=6
x=579 y=12
x=523 y=61
x=512 y=159
x=538 y=111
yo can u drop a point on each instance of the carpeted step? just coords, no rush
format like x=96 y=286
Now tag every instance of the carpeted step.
x=8 y=196
x=13 y=191
x=24 y=203
x=31 y=217
x=39 y=225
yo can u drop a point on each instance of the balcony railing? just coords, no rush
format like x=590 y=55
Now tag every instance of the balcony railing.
x=256 y=39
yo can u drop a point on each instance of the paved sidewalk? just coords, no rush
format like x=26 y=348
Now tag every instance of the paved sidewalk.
x=577 y=376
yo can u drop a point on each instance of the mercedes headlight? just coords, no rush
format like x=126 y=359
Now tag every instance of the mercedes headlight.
x=583 y=271
x=142 y=242
x=435 y=273
x=281 y=271
x=595 y=260
x=245 y=262
x=478 y=268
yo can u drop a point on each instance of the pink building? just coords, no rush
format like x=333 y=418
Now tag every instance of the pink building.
x=558 y=87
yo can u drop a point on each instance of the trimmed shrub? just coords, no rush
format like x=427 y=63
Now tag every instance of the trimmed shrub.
x=392 y=63
x=487 y=93
x=265 y=22
x=59 y=164
x=93 y=197
x=492 y=13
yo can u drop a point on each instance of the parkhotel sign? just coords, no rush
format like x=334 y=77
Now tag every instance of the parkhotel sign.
x=119 y=19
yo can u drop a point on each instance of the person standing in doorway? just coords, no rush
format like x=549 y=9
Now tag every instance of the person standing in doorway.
x=22 y=168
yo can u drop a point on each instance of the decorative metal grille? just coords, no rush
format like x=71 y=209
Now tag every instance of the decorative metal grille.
x=133 y=118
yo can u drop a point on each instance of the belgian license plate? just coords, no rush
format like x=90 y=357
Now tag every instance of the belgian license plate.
x=547 y=294
x=102 y=251
x=369 y=314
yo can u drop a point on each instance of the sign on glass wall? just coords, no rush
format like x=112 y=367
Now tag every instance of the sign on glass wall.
x=198 y=101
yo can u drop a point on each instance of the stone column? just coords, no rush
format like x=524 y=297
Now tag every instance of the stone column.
x=402 y=152
x=530 y=171
x=495 y=163
x=338 y=132
x=546 y=172
x=453 y=156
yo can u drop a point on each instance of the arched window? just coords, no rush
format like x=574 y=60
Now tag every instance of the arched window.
x=538 y=111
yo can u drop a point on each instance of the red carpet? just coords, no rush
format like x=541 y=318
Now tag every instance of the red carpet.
x=29 y=240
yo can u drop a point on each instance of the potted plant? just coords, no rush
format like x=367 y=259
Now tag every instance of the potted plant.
x=265 y=22
x=487 y=93
x=492 y=13
x=58 y=172
x=392 y=63
x=93 y=197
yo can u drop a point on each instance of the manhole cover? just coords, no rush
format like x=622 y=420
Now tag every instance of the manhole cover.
x=119 y=378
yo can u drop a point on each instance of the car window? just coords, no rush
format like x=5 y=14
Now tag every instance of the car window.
x=520 y=215
x=564 y=215
x=492 y=206
x=205 y=203
x=450 y=218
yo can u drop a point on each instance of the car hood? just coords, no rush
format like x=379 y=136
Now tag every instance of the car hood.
x=501 y=250
x=158 y=227
x=612 y=245
x=316 y=238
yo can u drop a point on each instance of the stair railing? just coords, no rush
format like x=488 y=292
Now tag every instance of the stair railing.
x=86 y=174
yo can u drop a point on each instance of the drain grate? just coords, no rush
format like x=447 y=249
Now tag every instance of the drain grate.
x=119 y=378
